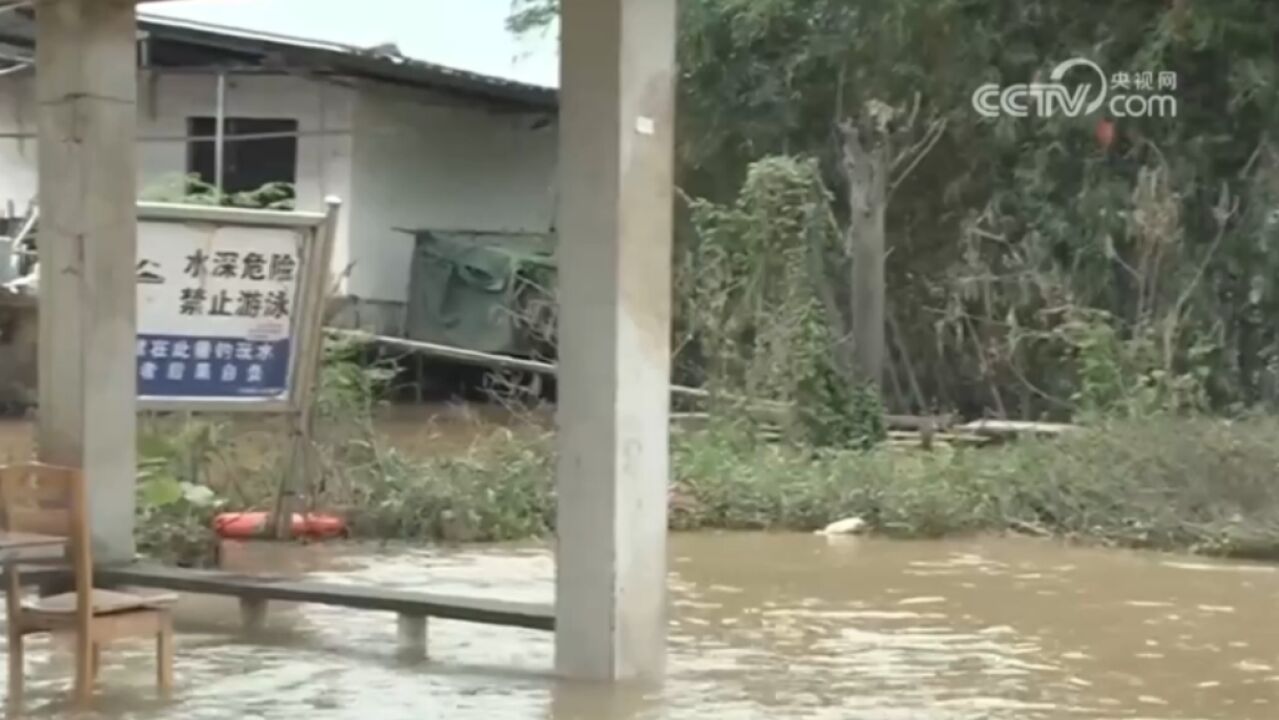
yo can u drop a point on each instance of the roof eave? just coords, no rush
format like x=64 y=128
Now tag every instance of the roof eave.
x=349 y=60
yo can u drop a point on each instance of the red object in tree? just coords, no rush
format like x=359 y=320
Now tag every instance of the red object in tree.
x=1105 y=133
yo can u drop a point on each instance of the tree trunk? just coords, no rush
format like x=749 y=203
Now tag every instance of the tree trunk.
x=867 y=174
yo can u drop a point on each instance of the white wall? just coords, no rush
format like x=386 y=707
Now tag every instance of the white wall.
x=323 y=109
x=397 y=158
x=429 y=162
x=17 y=156
x=166 y=101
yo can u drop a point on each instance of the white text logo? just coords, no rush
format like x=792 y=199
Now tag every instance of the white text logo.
x=1147 y=96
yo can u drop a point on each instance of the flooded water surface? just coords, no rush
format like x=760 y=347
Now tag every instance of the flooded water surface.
x=762 y=626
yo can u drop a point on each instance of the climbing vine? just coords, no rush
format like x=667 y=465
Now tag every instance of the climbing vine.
x=752 y=287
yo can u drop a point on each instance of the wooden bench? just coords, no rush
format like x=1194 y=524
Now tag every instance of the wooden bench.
x=256 y=591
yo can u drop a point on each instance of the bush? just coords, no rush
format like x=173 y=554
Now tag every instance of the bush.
x=1158 y=481
x=500 y=489
x=1167 y=483
x=175 y=502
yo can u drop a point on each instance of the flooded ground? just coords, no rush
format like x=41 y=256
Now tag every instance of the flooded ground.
x=431 y=427
x=763 y=626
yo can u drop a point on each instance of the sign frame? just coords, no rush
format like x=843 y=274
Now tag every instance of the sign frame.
x=318 y=233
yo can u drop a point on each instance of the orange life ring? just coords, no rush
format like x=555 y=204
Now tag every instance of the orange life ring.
x=248 y=525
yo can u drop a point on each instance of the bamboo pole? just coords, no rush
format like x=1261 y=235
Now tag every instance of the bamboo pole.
x=933 y=424
x=483 y=359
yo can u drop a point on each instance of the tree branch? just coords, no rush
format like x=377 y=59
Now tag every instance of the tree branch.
x=920 y=150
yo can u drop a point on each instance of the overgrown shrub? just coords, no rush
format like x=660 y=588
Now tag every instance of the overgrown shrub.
x=760 y=304
x=1164 y=482
x=176 y=502
x=499 y=489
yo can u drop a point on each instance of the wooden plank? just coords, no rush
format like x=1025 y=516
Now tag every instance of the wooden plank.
x=1002 y=428
x=18 y=539
x=533 y=616
x=39 y=521
x=104 y=602
x=942 y=437
x=919 y=422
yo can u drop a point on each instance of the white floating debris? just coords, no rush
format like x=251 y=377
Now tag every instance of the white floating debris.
x=922 y=601
x=847 y=526
x=1250 y=666
x=1205 y=567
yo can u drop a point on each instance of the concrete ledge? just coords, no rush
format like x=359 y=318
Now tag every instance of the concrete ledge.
x=261 y=588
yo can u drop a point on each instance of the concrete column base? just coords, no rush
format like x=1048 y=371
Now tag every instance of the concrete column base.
x=412 y=633
x=253 y=614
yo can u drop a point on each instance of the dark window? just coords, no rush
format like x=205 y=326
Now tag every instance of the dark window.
x=247 y=164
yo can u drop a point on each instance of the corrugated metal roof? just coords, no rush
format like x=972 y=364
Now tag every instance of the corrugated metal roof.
x=370 y=62
x=332 y=57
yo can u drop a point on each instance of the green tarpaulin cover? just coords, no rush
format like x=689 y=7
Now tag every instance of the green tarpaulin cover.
x=482 y=291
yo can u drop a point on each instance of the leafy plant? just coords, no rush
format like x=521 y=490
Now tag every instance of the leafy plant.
x=190 y=189
x=175 y=501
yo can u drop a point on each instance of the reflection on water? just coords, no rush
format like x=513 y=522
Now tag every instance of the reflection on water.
x=763 y=626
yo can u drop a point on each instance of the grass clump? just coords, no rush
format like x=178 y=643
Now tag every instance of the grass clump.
x=1170 y=483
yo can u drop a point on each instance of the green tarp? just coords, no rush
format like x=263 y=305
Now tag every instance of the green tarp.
x=482 y=291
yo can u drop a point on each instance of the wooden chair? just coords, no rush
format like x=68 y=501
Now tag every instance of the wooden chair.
x=49 y=500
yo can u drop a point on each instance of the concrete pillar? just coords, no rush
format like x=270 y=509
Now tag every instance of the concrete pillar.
x=253 y=613
x=86 y=86
x=411 y=631
x=617 y=133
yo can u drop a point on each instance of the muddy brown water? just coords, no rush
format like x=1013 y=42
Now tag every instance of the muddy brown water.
x=762 y=626
x=426 y=428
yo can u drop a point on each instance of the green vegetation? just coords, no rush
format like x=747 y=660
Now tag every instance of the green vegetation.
x=1160 y=481
x=1013 y=245
x=1167 y=483
x=176 y=501
x=190 y=189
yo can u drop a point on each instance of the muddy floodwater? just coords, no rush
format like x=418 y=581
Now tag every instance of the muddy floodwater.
x=413 y=429
x=762 y=626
